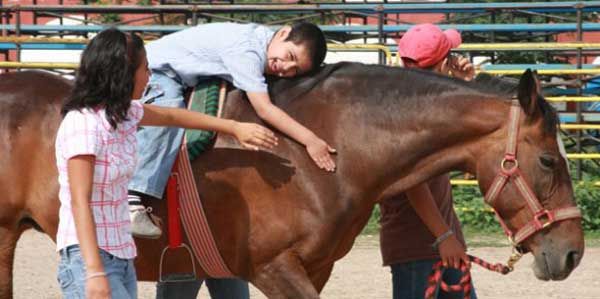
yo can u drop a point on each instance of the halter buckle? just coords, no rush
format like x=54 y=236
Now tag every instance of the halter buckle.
x=543 y=214
x=509 y=170
x=511 y=240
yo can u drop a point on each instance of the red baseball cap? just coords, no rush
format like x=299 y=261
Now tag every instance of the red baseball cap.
x=427 y=44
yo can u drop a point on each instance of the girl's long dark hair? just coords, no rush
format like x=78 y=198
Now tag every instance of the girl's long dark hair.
x=106 y=75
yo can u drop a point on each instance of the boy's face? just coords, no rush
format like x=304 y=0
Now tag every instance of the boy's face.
x=286 y=59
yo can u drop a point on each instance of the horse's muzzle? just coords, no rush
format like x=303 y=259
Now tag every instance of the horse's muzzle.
x=549 y=265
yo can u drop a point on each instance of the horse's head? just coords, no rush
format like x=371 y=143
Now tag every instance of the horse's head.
x=525 y=178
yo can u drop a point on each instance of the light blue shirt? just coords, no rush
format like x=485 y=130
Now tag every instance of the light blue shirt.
x=234 y=52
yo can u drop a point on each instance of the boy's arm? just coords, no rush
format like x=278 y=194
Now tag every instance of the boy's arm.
x=318 y=149
x=451 y=251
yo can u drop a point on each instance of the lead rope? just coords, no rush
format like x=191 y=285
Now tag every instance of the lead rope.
x=436 y=283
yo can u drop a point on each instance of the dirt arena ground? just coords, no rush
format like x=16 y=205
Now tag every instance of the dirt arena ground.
x=359 y=275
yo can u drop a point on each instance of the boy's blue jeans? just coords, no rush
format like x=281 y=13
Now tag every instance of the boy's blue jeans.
x=158 y=146
x=71 y=274
x=409 y=280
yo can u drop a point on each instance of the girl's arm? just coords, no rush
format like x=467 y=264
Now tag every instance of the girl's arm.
x=451 y=251
x=80 y=171
x=317 y=149
x=251 y=136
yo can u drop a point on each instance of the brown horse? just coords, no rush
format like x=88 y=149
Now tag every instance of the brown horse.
x=280 y=222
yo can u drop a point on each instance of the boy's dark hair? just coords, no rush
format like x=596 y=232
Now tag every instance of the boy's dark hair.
x=106 y=75
x=310 y=36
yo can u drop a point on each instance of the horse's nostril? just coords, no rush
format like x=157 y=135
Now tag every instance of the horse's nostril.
x=572 y=259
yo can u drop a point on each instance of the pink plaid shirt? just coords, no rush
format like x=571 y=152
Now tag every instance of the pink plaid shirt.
x=89 y=133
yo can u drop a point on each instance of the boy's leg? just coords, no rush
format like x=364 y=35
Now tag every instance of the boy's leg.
x=227 y=288
x=157 y=150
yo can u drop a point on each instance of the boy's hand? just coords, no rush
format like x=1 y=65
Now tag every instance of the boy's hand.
x=461 y=68
x=254 y=137
x=320 y=152
x=452 y=253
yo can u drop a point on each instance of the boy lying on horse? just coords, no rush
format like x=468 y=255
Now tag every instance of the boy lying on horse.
x=239 y=53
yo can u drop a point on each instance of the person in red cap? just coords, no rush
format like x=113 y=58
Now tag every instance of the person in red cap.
x=420 y=227
x=426 y=46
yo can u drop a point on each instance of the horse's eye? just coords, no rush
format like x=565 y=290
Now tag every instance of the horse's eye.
x=547 y=162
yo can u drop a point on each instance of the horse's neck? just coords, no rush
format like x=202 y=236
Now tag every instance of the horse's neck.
x=435 y=140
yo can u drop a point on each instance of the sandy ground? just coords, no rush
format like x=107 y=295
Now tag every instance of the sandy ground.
x=358 y=275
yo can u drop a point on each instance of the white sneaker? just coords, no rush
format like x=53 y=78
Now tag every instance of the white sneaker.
x=142 y=226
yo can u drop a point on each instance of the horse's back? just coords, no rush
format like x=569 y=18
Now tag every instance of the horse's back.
x=23 y=94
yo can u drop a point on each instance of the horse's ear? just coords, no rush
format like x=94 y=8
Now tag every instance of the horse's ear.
x=529 y=91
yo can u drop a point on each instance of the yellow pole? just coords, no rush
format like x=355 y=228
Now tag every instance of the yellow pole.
x=384 y=49
x=572 y=99
x=544 y=72
x=528 y=46
x=37 y=65
x=578 y=126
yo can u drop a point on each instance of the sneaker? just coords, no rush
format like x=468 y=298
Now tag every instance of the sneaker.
x=142 y=225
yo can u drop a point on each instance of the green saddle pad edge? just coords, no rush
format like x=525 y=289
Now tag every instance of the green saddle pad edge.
x=204 y=99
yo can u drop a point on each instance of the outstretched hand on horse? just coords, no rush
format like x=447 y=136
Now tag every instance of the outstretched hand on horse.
x=320 y=152
x=254 y=137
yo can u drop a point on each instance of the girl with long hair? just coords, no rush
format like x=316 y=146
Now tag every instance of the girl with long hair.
x=96 y=156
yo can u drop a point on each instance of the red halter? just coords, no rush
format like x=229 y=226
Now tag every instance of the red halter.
x=542 y=217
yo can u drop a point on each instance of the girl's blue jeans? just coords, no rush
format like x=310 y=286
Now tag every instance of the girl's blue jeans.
x=71 y=274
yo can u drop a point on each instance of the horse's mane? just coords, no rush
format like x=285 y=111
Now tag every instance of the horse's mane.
x=295 y=87
x=418 y=81
x=496 y=84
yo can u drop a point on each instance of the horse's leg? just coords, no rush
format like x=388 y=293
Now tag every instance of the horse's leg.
x=8 y=242
x=285 y=278
x=320 y=278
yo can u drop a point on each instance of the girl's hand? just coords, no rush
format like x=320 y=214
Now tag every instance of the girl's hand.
x=452 y=253
x=320 y=151
x=254 y=137
x=97 y=288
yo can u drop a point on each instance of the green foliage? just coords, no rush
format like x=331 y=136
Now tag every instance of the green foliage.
x=586 y=194
x=516 y=17
x=372 y=227
x=472 y=211
x=588 y=200
x=476 y=215
x=105 y=18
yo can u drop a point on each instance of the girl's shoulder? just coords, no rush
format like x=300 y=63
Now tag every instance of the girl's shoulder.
x=84 y=122
x=81 y=119
x=136 y=111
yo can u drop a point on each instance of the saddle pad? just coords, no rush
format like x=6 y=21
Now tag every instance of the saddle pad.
x=204 y=99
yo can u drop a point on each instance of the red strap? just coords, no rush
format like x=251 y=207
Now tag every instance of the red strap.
x=173 y=211
x=194 y=219
x=550 y=217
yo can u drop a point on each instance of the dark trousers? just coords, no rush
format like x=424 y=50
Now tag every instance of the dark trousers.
x=227 y=288
x=410 y=280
